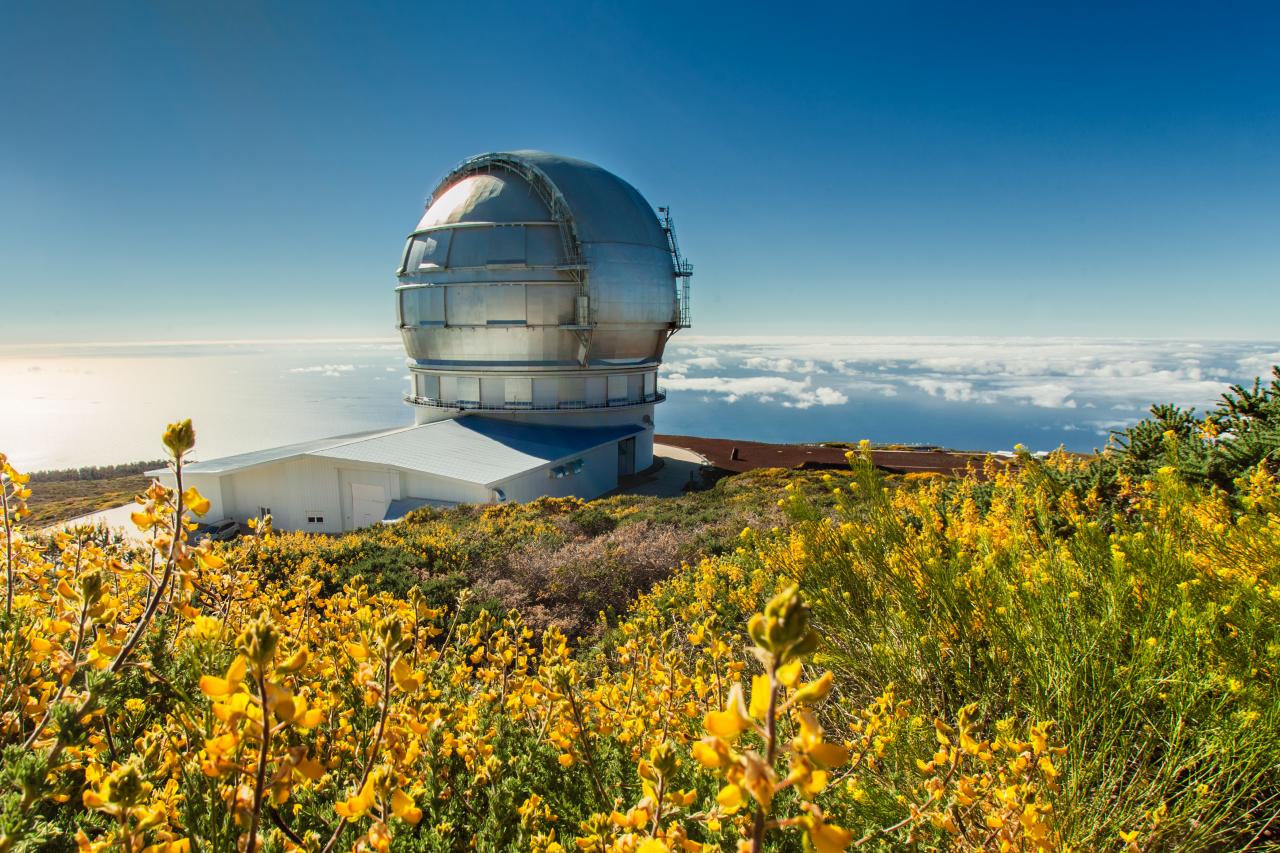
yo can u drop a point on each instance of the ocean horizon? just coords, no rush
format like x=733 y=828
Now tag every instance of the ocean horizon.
x=68 y=405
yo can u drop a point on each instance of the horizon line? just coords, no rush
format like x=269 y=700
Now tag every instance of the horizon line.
x=9 y=348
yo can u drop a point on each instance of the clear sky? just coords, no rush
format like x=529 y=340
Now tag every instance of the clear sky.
x=245 y=170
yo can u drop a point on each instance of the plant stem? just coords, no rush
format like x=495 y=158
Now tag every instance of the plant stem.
x=8 y=549
x=62 y=688
x=260 y=780
x=770 y=741
x=587 y=751
x=377 y=741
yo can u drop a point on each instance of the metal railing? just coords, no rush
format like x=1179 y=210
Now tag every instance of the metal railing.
x=473 y=406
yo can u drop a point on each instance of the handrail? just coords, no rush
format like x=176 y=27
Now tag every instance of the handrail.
x=434 y=403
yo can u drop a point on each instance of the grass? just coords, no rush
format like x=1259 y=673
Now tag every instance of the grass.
x=61 y=500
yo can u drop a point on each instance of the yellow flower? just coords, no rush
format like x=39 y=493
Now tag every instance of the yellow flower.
x=214 y=687
x=357 y=804
x=730 y=798
x=733 y=720
x=761 y=688
x=195 y=501
x=403 y=807
x=826 y=837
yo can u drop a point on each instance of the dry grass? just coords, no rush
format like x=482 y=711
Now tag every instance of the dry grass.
x=62 y=500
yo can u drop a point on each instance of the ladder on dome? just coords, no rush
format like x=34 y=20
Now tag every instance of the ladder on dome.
x=683 y=270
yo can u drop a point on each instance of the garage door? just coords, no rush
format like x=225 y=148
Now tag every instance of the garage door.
x=368 y=504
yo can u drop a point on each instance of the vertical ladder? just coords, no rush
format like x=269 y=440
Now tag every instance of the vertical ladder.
x=683 y=269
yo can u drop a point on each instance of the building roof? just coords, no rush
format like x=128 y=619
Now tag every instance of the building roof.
x=475 y=449
x=400 y=507
x=471 y=449
x=241 y=461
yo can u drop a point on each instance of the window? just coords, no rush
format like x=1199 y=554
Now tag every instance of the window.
x=422 y=306
x=433 y=249
x=573 y=393
x=617 y=390
x=505 y=305
x=519 y=393
x=428 y=386
x=264 y=511
x=506 y=245
x=468 y=390
x=314 y=517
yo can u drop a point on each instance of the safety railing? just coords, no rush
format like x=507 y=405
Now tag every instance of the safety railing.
x=474 y=406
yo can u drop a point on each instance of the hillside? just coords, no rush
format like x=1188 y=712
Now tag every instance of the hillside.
x=1065 y=653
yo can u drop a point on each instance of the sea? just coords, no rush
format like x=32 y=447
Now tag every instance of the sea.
x=73 y=405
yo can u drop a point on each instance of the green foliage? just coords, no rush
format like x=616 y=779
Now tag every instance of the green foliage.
x=1240 y=433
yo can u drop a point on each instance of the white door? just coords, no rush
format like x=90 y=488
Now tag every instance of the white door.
x=368 y=504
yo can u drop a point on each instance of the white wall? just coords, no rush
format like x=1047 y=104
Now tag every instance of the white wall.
x=644 y=449
x=599 y=474
x=208 y=485
x=295 y=488
x=418 y=485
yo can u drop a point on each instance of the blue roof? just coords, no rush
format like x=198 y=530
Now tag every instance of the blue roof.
x=470 y=448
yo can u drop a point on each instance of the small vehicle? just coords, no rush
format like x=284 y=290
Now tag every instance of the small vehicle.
x=218 y=531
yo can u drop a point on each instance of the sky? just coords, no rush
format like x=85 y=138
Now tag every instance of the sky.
x=180 y=171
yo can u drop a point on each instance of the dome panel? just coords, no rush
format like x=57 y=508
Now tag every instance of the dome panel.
x=499 y=197
x=606 y=209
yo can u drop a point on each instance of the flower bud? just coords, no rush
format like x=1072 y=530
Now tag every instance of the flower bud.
x=125 y=786
x=259 y=640
x=664 y=759
x=180 y=438
x=90 y=584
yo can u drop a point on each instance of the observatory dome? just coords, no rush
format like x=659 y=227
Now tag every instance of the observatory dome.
x=530 y=266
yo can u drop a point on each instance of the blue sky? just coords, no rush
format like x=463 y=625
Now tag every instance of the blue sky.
x=244 y=170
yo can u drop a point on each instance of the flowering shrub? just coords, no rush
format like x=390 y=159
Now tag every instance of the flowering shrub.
x=1000 y=664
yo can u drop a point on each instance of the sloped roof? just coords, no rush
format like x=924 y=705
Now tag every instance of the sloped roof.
x=241 y=461
x=471 y=449
x=475 y=449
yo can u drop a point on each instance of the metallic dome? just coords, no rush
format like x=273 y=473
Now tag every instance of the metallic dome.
x=579 y=246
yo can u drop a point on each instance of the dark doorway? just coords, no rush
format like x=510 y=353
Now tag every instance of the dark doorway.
x=627 y=456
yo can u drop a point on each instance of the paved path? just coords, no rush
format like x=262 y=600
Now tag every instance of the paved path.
x=115 y=518
x=678 y=467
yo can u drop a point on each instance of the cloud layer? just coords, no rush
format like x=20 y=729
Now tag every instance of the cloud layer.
x=1088 y=381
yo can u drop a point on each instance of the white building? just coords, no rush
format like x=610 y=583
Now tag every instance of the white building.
x=535 y=298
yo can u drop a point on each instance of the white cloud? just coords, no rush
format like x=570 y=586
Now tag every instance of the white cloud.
x=1259 y=364
x=782 y=365
x=702 y=362
x=1057 y=373
x=1047 y=396
x=955 y=390
x=795 y=394
x=325 y=369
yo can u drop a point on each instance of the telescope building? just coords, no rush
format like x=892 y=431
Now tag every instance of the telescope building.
x=534 y=298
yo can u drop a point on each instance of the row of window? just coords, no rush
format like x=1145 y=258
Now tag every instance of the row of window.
x=567 y=470
x=487 y=305
x=520 y=392
x=495 y=245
